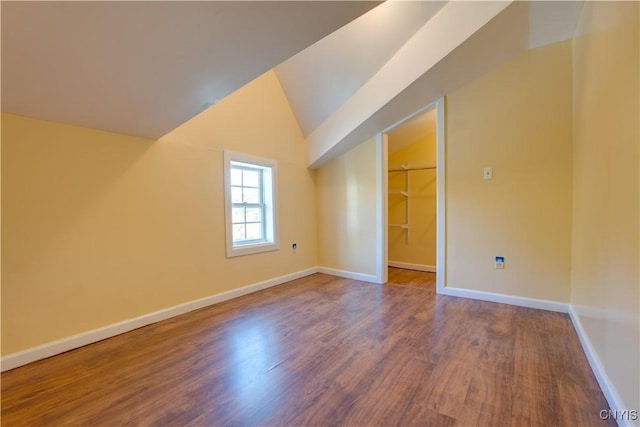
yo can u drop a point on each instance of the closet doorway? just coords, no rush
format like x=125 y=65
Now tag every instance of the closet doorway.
x=415 y=192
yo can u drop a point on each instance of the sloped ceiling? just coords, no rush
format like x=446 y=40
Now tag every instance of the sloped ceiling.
x=143 y=68
x=371 y=108
x=412 y=130
x=322 y=77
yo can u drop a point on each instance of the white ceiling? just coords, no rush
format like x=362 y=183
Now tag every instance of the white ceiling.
x=143 y=68
x=412 y=130
x=520 y=26
x=322 y=77
x=552 y=21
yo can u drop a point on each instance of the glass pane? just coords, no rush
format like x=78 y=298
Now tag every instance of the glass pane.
x=237 y=215
x=254 y=215
x=251 y=195
x=236 y=194
x=251 y=178
x=236 y=177
x=254 y=231
x=238 y=232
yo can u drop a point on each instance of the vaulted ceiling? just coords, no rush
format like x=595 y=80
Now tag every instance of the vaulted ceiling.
x=330 y=71
x=349 y=69
x=456 y=42
x=143 y=68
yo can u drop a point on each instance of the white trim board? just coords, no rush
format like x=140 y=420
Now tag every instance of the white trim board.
x=608 y=389
x=506 y=299
x=441 y=193
x=20 y=358
x=382 y=210
x=410 y=266
x=43 y=351
x=349 y=274
x=382 y=256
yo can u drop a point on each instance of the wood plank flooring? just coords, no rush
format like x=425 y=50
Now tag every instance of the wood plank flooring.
x=322 y=351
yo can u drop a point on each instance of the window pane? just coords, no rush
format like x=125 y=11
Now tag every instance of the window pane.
x=251 y=178
x=236 y=194
x=238 y=232
x=238 y=215
x=236 y=177
x=254 y=215
x=254 y=231
x=251 y=195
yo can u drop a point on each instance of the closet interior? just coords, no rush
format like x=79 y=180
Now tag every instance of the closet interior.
x=412 y=193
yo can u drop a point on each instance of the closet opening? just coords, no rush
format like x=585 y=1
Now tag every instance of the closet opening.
x=413 y=154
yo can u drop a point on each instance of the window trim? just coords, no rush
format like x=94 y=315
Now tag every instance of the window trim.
x=269 y=199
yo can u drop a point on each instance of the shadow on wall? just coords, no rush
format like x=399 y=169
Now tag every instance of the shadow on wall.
x=54 y=181
x=53 y=177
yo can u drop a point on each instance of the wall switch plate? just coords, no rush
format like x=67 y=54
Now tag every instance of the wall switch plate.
x=488 y=173
x=294 y=246
x=499 y=263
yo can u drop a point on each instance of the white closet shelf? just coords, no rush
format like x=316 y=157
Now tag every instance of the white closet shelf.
x=406 y=167
x=412 y=166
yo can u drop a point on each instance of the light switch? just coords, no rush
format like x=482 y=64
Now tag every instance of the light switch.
x=488 y=173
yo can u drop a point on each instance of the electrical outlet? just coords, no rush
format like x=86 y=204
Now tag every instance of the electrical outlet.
x=294 y=246
x=488 y=173
x=499 y=263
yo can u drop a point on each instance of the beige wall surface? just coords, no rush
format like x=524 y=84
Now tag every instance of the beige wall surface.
x=605 y=278
x=346 y=200
x=517 y=120
x=99 y=228
x=421 y=248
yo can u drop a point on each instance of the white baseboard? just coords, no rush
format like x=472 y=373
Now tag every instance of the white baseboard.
x=410 y=266
x=33 y=354
x=609 y=391
x=349 y=274
x=507 y=299
x=20 y=358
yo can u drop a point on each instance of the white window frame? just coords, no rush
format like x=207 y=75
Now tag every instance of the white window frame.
x=269 y=200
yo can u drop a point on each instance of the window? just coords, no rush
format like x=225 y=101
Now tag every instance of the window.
x=250 y=204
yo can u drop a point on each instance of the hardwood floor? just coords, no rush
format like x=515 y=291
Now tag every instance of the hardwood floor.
x=322 y=351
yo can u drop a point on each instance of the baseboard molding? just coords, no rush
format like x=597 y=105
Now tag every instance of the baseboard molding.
x=20 y=358
x=349 y=274
x=507 y=299
x=410 y=266
x=609 y=391
x=43 y=351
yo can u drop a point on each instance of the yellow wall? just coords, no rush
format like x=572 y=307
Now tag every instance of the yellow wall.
x=346 y=191
x=605 y=279
x=421 y=248
x=99 y=228
x=517 y=120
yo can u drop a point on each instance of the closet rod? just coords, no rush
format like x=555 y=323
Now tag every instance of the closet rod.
x=412 y=169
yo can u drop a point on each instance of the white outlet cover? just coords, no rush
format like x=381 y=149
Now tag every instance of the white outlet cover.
x=488 y=173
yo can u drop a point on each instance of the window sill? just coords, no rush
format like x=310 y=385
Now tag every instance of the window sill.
x=251 y=249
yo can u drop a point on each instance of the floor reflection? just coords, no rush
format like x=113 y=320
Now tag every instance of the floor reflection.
x=258 y=375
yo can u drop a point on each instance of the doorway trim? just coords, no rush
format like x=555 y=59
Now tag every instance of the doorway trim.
x=382 y=220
